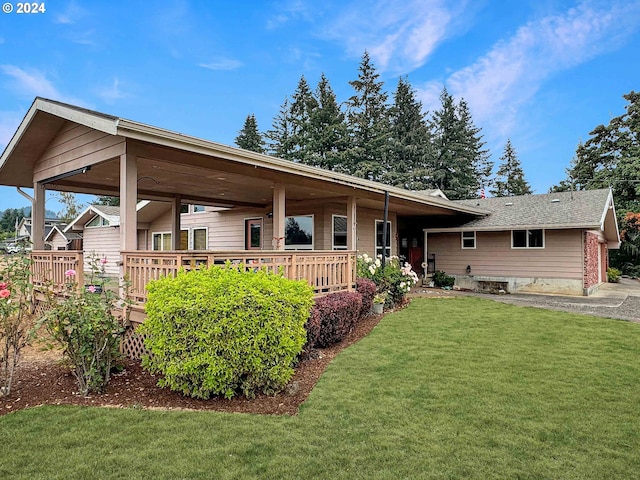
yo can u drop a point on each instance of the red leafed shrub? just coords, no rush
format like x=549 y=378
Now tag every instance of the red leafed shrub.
x=336 y=315
x=367 y=289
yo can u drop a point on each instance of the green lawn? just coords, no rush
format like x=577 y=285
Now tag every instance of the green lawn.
x=447 y=388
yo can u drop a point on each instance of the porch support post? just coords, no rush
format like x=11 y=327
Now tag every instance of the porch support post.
x=128 y=201
x=352 y=235
x=37 y=216
x=175 y=222
x=278 y=217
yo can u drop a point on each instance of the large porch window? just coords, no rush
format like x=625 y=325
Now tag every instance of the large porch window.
x=527 y=239
x=379 y=249
x=298 y=233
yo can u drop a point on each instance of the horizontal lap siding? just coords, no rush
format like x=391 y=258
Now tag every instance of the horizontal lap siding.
x=366 y=229
x=493 y=256
x=77 y=146
x=103 y=242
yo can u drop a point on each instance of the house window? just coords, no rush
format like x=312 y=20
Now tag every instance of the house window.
x=198 y=208
x=339 y=232
x=97 y=221
x=527 y=239
x=379 y=249
x=298 y=233
x=199 y=239
x=468 y=239
x=184 y=208
x=162 y=240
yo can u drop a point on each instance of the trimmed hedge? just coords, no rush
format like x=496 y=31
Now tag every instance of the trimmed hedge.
x=218 y=331
x=333 y=317
x=367 y=289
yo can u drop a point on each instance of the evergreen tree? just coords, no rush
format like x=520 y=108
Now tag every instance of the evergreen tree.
x=368 y=124
x=409 y=149
x=10 y=218
x=107 y=200
x=249 y=137
x=447 y=143
x=611 y=158
x=475 y=166
x=328 y=129
x=303 y=103
x=280 y=137
x=510 y=176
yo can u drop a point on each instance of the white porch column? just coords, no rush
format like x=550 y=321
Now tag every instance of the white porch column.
x=128 y=201
x=352 y=232
x=37 y=216
x=175 y=222
x=278 y=217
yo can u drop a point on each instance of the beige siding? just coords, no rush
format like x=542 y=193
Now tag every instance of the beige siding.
x=76 y=146
x=57 y=241
x=366 y=229
x=493 y=255
x=103 y=242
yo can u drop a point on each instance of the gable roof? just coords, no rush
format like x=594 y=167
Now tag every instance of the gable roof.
x=46 y=118
x=109 y=213
x=68 y=236
x=590 y=209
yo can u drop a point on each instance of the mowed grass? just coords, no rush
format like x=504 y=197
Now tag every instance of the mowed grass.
x=447 y=388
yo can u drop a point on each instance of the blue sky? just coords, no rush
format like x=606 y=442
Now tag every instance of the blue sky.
x=543 y=73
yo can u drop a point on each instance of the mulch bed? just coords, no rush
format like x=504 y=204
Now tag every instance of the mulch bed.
x=41 y=379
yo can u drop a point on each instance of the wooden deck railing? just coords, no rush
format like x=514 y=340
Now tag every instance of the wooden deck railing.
x=49 y=268
x=325 y=271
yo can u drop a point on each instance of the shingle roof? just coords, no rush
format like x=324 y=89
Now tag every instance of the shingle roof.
x=581 y=209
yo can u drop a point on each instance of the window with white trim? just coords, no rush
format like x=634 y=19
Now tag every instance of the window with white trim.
x=379 y=249
x=198 y=208
x=97 y=221
x=468 y=240
x=199 y=238
x=162 y=240
x=339 y=232
x=298 y=232
x=527 y=238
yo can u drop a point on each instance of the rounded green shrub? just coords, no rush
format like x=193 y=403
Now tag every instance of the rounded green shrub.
x=224 y=330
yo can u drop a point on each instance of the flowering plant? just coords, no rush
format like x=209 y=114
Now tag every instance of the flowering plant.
x=380 y=298
x=85 y=326
x=15 y=315
x=395 y=278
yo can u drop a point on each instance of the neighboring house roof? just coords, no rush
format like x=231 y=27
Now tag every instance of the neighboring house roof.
x=147 y=211
x=433 y=192
x=68 y=236
x=590 y=209
x=111 y=214
x=46 y=117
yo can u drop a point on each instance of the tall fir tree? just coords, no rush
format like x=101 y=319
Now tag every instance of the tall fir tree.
x=280 y=136
x=447 y=142
x=368 y=124
x=249 y=137
x=303 y=103
x=475 y=164
x=409 y=150
x=510 y=179
x=328 y=128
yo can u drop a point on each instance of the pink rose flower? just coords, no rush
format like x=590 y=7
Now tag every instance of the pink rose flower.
x=70 y=273
x=103 y=260
x=3 y=285
x=91 y=288
x=4 y=293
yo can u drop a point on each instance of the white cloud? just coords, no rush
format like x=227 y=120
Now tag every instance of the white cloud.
x=399 y=35
x=511 y=73
x=70 y=15
x=34 y=83
x=113 y=92
x=222 y=64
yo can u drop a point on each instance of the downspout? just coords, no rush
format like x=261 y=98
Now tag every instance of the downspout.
x=385 y=230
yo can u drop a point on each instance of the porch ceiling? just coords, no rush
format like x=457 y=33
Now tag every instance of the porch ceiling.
x=171 y=164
